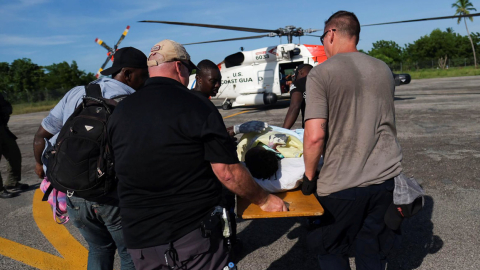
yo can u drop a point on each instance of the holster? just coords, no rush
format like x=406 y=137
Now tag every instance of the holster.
x=216 y=224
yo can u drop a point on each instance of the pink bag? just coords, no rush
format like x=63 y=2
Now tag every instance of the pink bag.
x=57 y=199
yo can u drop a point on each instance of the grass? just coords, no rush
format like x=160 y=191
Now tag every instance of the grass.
x=22 y=108
x=441 y=73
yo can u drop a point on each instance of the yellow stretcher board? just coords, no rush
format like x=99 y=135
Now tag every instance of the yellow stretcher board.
x=298 y=204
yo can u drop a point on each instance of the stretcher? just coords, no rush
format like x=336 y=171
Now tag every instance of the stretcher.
x=285 y=184
x=298 y=204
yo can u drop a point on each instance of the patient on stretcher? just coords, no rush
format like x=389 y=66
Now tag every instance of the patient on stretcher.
x=274 y=158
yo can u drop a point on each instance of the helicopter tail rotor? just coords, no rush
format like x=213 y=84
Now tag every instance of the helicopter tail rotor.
x=103 y=44
x=103 y=66
x=125 y=32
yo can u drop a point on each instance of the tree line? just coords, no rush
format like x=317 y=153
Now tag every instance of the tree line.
x=25 y=81
x=438 y=46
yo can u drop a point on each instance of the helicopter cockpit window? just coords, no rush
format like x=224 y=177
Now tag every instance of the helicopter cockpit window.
x=235 y=59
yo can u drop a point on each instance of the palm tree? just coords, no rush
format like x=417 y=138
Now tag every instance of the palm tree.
x=463 y=8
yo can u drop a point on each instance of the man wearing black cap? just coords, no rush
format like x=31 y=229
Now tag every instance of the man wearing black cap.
x=99 y=222
x=297 y=96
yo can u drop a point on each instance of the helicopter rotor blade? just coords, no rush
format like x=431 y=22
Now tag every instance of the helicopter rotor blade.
x=228 y=39
x=103 y=44
x=122 y=37
x=235 y=28
x=312 y=36
x=103 y=66
x=308 y=31
x=427 y=19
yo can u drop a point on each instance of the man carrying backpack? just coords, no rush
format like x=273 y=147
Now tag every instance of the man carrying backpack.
x=9 y=149
x=97 y=219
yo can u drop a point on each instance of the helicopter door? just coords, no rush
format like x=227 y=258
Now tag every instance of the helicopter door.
x=265 y=79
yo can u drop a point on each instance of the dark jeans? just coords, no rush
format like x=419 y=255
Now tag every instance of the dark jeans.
x=194 y=253
x=101 y=227
x=353 y=223
x=9 y=149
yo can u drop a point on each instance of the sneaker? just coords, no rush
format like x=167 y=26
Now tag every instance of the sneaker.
x=4 y=194
x=18 y=186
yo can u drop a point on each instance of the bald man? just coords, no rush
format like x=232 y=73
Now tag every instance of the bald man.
x=168 y=187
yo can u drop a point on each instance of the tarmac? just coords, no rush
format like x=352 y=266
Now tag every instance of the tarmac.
x=438 y=124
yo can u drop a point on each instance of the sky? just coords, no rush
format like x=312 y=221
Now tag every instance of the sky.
x=52 y=31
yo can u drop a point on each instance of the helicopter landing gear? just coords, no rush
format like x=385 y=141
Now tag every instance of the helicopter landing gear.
x=227 y=105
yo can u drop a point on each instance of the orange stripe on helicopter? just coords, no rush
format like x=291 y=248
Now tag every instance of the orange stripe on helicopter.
x=318 y=53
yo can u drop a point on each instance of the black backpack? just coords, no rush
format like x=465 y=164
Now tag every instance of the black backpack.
x=81 y=162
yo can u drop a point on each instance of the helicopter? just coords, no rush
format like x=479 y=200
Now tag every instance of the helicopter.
x=111 y=51
x=258 y=77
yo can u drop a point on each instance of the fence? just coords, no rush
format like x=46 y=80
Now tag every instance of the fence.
x=432 y=64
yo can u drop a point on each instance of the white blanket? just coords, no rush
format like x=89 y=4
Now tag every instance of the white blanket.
x=290 y=172
x=288 y=176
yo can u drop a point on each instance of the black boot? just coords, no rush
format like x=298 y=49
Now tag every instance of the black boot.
x=4 y=194
x=18 y=186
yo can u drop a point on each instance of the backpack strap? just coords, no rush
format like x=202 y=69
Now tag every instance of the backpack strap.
x=47 y=193
x=93 y=90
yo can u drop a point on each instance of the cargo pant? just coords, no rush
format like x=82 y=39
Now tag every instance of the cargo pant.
x=9 y=149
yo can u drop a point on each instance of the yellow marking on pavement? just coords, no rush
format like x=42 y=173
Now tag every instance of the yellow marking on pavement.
x=75 y=256
x=235 y=114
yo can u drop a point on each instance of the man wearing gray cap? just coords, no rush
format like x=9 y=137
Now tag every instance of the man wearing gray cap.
x=98 y=221
x=168 y=187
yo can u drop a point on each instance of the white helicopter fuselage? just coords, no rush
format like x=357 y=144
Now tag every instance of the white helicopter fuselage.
x=257 y=77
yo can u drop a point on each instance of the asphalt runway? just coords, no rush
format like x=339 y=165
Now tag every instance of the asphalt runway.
x=438 y=123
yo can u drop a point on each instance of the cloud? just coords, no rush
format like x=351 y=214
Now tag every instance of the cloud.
x=141 y=7
x=130 y=10
x=12 y=40
x=15 y=10
x=12 y=7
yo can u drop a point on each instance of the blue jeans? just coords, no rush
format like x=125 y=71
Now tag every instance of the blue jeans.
x=101 y=227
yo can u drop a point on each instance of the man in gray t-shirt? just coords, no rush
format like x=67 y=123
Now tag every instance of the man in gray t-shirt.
x=350 y=119
x=354 y=92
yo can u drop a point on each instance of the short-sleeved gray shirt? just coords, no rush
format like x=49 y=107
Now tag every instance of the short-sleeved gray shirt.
x=355 y=93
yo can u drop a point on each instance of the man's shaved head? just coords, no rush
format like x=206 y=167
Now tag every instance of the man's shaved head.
x=345 y=23
x=302 y=71
x=205 y=65
x=208 y=78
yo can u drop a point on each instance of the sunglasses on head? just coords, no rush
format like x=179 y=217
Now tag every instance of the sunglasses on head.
x=326 y=32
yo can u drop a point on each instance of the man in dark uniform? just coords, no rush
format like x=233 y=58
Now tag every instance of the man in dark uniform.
x=297 y=96
x=9 y=149
x=170 y=147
